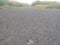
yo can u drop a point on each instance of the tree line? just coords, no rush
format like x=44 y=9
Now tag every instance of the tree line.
x=8 y=3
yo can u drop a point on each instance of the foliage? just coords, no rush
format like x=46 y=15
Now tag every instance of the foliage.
x=1 y=3
x=35 y=3
x=6 y=3
x=44 y=4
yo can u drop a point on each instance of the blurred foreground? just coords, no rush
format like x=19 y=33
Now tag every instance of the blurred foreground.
x=29 y=26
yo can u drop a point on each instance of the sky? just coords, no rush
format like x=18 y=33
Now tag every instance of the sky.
x=30 y=1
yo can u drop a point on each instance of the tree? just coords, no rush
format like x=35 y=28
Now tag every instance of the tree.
x=35 y=3
x=3 y=2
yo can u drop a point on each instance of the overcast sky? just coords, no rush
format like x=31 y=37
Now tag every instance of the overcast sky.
x=30 y=1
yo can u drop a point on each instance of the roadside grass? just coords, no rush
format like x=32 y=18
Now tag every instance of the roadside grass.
x=12 y=7
x=40 y=6
x=47 y=6
x=6 y=6
x=56 y=6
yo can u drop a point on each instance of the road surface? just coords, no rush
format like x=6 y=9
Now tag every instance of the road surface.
x=19 y=25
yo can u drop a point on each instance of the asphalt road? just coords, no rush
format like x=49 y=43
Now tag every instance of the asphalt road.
x=19 y=25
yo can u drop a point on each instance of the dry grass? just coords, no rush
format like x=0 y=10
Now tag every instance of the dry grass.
x=57 y=6
x=40 y=6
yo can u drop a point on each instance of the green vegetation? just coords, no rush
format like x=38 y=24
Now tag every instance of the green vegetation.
x=37 y=4
x=44 y=4
x=54 y=6
x=7 y=4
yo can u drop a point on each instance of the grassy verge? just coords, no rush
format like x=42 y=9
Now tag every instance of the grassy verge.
x=56 y=6
x=12 y=7
x=6 y=6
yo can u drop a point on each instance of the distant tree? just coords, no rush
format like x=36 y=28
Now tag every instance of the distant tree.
x=3 y=2
x=35 y=3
